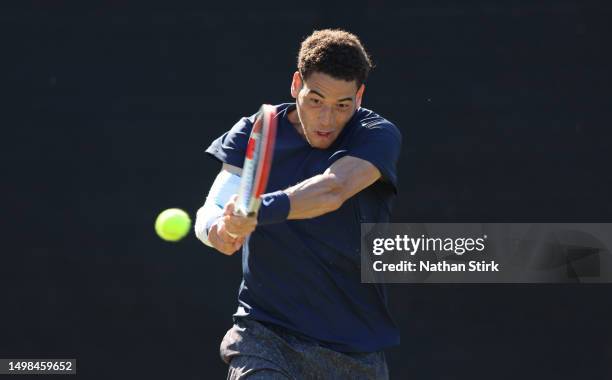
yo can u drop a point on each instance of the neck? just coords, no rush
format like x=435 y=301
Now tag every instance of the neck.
x=294 y=119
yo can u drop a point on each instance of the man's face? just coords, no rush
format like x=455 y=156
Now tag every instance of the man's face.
x=324 y=106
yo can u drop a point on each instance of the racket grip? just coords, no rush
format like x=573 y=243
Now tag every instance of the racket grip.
x=237 y=212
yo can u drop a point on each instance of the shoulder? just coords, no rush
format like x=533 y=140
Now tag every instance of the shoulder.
x=369 y=123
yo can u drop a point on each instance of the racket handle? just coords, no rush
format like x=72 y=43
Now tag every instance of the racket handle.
x=239 y=212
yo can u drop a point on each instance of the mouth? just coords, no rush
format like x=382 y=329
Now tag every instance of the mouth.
x=323 y=134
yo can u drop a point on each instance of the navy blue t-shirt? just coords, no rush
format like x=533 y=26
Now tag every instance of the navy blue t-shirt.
x=304 y=275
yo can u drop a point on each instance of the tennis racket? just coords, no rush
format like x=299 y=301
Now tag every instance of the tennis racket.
x=257 y=161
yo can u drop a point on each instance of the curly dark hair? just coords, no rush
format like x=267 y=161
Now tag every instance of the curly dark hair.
x=334 y=52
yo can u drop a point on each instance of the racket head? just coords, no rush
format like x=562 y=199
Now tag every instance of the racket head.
x=257 y=161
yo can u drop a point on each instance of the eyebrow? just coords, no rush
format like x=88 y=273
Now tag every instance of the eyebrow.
x=321 y=95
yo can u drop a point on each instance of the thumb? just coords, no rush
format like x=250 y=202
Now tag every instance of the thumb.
x=230 y=205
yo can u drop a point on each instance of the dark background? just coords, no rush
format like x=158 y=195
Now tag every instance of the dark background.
x=107 y=108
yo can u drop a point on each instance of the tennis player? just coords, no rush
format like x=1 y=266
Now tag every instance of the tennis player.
x=303 y=312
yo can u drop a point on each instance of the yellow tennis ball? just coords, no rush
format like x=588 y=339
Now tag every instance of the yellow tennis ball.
x=172 y=224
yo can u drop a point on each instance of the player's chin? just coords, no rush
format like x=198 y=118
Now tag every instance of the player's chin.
x=322 y=142
x=321 y=145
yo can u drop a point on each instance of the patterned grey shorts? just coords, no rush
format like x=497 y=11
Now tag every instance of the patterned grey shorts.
x=255 y=351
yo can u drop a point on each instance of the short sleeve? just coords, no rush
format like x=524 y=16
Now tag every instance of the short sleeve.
x=380 y=144
x=230 y=147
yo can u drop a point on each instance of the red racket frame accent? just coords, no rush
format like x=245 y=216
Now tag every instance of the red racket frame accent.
x=258 y=160
x=269 y=125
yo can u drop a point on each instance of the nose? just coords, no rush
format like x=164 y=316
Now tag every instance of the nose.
x=325 y=117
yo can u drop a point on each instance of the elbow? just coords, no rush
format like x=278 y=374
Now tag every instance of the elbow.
x=334 y=196
x=334 y=202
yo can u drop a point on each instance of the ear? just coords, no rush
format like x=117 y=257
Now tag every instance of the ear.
x=296 y=84
x=359 y=95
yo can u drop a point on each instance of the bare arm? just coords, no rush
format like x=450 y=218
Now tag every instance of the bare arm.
x=310 y=198
x=326 y=192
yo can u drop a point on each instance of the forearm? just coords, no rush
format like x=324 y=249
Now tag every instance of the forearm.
x=326 y=192
x=315 y=196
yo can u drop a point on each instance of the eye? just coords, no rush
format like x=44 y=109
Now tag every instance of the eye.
x=342 y=106
x=314 y=101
